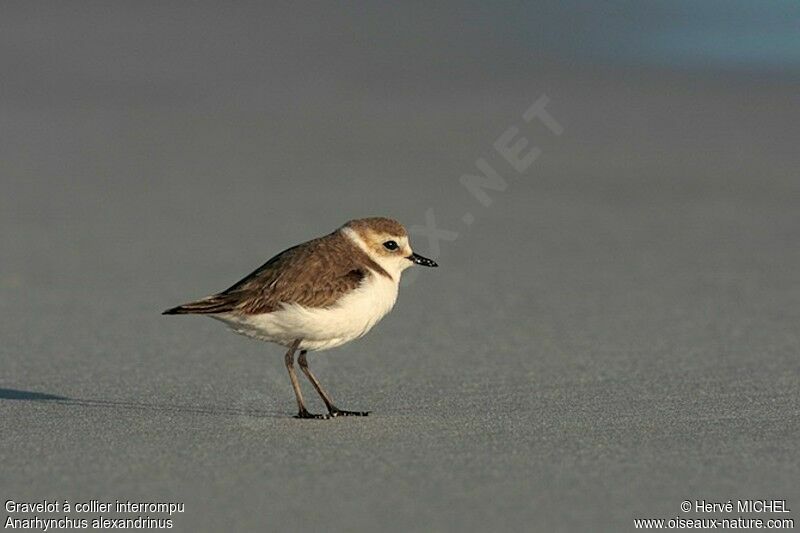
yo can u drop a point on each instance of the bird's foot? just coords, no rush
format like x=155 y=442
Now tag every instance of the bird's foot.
x=313 y=416
x=335 y=411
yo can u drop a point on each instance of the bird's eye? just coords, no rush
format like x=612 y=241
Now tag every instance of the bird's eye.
x=390 y=245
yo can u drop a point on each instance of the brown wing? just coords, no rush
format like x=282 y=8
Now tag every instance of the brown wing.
x=312 y=274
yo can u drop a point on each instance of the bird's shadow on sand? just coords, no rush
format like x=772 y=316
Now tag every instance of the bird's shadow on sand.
x=31 y=396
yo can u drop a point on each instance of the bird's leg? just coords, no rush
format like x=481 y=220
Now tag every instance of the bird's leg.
x=332 y=409
x=303 y=412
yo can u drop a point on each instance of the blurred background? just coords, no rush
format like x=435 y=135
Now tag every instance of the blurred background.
x=617 y=331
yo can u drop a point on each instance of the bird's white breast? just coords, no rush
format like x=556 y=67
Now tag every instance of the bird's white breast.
x=352 y=316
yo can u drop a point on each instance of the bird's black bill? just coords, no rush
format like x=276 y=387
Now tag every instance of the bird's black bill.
x=424 y=261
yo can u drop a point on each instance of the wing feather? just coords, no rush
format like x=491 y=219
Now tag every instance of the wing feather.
x=312 y=274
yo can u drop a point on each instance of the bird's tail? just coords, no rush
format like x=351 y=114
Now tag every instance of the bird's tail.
x=206 y=306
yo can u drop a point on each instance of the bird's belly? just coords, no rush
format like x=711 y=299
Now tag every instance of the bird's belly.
x=321 y=328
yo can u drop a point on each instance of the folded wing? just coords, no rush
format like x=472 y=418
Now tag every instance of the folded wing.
x=312 y=274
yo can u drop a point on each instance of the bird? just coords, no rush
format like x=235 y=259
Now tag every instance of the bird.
x=317 y=295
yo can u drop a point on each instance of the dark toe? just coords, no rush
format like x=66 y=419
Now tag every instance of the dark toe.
x=311 y=416
x=341 y=412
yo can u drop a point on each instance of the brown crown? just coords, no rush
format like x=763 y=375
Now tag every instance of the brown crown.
x=378 y=225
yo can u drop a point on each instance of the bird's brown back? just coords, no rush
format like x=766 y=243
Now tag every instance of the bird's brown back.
x=313 y=274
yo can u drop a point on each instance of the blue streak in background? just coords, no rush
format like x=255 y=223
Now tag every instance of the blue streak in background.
x=729 y=34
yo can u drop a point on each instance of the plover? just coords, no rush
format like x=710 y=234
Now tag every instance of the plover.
x=318 y=295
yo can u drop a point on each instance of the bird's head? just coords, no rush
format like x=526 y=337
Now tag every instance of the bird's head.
x=385 y=241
